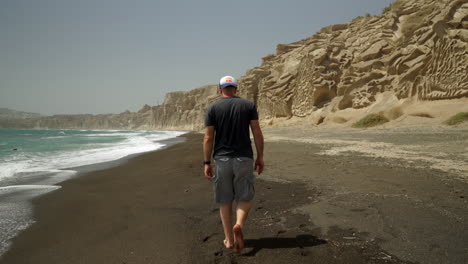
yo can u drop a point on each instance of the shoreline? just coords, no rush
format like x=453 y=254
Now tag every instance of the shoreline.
x=309 y=207
x=81 y=170
x=45 y=212
x=18 y=194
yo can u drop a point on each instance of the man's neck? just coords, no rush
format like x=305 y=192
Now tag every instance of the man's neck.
x=229 y=95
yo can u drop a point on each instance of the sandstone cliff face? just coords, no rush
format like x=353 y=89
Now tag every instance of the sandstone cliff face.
x=417 y=49
x=184 y=110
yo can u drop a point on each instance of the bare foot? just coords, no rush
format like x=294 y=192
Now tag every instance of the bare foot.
x=238 y=238
x=228 y=244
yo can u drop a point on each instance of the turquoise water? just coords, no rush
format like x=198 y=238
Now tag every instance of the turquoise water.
x=49 y=141
x=27 y=151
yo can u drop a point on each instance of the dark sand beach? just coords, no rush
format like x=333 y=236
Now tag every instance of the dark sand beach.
x=309 y=208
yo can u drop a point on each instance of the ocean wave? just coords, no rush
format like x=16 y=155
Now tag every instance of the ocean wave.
x=28 y=187
x=110 y=135
x=85 y=154
x=54 y=137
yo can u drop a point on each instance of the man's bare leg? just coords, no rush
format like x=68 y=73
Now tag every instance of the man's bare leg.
x=225 y=211
x=243 y=208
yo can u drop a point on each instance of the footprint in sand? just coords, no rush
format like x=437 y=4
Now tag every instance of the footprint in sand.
x=280 y=232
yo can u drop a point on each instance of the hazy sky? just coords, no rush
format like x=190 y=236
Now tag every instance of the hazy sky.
x=107 y=56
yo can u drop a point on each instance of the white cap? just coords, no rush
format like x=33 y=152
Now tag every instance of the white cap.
x=227 y=81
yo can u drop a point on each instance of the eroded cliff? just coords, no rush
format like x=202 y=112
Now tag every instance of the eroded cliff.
x=417 y=49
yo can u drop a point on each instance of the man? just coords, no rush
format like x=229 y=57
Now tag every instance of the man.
x=227 y=124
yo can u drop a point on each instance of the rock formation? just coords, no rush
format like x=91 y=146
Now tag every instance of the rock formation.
x=179 y=111
x=416 y=49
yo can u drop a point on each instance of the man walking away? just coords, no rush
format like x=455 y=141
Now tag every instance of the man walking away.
x=227 y=124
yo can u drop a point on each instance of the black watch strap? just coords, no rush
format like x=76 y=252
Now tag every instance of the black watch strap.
x=206 y=162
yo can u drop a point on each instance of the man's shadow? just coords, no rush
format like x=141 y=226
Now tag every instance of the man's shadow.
x=300 y=241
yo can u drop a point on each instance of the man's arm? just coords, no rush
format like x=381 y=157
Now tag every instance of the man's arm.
x=208 y=149
x=258 y=139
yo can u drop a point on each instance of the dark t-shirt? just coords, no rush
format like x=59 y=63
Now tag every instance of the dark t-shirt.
x=231 y=118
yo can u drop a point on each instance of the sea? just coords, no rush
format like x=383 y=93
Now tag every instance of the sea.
x=32 y=162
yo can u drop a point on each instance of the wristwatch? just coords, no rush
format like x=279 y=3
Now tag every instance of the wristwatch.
x=206 y=162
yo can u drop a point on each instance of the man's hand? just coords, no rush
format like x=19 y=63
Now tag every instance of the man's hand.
x=258 y=138
x=208 y=172
x=207 y=149
x=259 y=164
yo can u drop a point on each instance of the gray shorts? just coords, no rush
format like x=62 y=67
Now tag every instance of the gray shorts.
x=234 y=180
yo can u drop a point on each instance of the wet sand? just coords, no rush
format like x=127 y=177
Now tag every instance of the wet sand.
x=310 y=207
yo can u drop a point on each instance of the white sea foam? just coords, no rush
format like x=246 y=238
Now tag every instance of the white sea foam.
x=92 y=156
x=16 y=210
x=111 y=135
x=55 y=137
x=16 y=216
x=13 y=188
